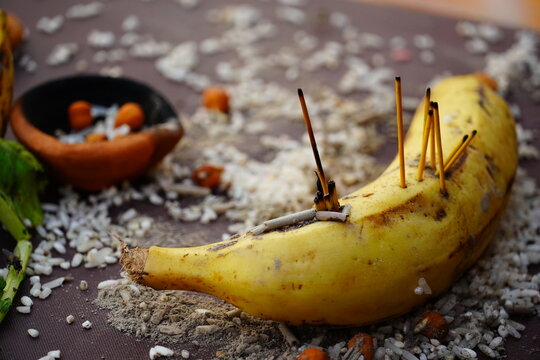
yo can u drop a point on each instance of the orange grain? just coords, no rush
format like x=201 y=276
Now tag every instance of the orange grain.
x=15 y=30
x=130 y=114
x=80 y=115
x=216 y=98
x=432 y=325
x=208 y=176
x=96 y=137
x=486 y=79
x=364 y=342
x=313 y=354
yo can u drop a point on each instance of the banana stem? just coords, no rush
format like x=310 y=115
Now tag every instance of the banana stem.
x=133 y=260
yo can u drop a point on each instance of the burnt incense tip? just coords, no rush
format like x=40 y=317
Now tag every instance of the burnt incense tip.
x=474 y=132
x=465 y=138
x=398 y=78
x=430 y=112
x=428 y=91
x=435 y=104
x=300 y=93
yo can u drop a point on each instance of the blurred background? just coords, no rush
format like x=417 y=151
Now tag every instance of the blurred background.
x=516 y=13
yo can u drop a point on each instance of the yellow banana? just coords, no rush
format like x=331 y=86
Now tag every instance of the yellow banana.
x=366 y=269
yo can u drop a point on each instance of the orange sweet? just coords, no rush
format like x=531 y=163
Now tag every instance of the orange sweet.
x=80 y=115
x=216 y=98
x=313 y=354
x=131 y=114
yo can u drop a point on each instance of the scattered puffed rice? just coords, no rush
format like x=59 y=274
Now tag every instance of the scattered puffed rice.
x=61 y=54
x=26 y=301
x=50 y=25
x=46 y=357
x=84 y=11
x=23 y=309
x=131 y=23
x=83 y=285
x=77 y=260
x=101 y=39
x=54 y=283
x=106 y=283
x=87 y=324
x=54 y=354
x=33 y=333
x=158 y=351
x=45 y=292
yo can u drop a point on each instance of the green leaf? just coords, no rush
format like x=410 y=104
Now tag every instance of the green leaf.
x=21 y=179
x=7 y=168
x=8 y=217
x=25 y=195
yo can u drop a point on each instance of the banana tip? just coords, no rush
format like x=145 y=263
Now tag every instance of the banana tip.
x=133 y=262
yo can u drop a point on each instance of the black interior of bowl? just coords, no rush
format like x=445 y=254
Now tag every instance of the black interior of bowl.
x=45 y=106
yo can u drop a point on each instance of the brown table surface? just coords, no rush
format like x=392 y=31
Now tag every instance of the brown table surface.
x=167 y=21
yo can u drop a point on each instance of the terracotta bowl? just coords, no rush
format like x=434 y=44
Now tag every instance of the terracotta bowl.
x=38 y=113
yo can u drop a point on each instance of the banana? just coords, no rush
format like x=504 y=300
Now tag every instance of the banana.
x=365 y=269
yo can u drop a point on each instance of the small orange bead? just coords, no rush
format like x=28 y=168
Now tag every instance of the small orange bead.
x=486 y=79
x=216 y=98
x=313 y=354
x=208 y=176
x=365 y=345
x=131 y=114
x=15 y=30
x=80 y=115
x=96 y=137
x=432 y=325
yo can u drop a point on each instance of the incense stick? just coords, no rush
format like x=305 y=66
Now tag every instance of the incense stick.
x=425 y=136
x=437 y=128
x=432 y=159
x=450 y=158
x=459 y=152
x=309 y=129
x=399 y=119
